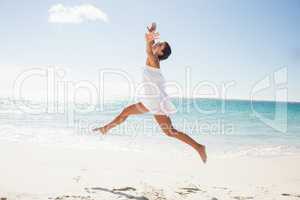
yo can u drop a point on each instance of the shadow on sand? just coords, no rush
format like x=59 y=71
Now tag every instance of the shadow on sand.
x=119 y=192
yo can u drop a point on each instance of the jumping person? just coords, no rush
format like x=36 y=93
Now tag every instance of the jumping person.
x=155 y=100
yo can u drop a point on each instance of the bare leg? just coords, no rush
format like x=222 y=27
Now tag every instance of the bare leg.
x=134 y=109
x=166 y=125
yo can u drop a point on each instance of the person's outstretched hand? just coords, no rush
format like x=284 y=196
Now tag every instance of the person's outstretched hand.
x=152 y=27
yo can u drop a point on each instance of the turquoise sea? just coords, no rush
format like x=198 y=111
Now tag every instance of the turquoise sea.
x=227 y=128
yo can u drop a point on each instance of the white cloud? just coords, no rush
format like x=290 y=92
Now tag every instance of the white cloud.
x=59 y=13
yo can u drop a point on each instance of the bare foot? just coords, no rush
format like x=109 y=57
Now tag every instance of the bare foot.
x=202 y=152
x=101 y=129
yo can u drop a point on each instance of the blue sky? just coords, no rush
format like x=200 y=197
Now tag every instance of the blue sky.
x=220 y=41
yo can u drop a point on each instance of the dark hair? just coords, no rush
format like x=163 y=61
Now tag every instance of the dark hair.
x=166 y=52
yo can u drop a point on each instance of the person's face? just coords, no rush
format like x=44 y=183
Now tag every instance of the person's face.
x=158 y=48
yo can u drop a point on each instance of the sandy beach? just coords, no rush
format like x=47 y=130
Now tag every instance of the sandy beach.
x=31 y=172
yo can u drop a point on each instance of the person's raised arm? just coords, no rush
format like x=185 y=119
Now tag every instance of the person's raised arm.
x=152 y=60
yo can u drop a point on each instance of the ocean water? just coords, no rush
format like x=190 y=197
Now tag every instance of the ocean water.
x=228 y=128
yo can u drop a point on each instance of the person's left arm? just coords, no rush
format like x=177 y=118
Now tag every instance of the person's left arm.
x=152 y=59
